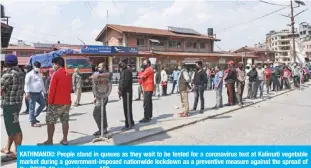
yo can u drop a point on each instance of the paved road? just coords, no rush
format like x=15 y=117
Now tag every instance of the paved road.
x=283 y=120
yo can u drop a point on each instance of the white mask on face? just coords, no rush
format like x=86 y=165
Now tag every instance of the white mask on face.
x=36 y=69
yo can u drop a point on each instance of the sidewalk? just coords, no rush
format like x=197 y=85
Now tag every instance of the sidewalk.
x=168 y=120
x=165 y=118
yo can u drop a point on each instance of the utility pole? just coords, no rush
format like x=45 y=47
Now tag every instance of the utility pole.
x=293 y=28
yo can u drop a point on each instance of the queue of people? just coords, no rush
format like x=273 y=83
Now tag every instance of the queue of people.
x=58 y=88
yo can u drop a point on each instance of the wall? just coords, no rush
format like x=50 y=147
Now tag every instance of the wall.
x=113 y=37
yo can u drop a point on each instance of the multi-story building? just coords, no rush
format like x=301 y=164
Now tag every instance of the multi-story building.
x=305 y=31
x=307 y=48
x=281 y=43
x=165 y=47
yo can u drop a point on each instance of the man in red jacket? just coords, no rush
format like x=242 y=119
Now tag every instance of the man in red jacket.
x=59 y=100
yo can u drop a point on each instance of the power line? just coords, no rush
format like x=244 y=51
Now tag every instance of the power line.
x=270 y=3
x=263 y=16
x=219 y=47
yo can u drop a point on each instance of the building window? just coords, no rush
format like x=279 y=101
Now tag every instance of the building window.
x=39 y=52
x=174 y=44
x=117 y=59
x=161 y=44
x=140 y=42
x=120 y=42
x=191 y=45
x=202 y=45
x=24 y=54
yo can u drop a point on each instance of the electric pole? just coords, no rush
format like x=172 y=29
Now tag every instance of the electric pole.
x=293 y=28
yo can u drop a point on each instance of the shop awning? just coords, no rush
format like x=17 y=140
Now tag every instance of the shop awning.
x=195 y=54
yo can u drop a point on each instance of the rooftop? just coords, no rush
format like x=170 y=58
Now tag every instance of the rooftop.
x=152 y=31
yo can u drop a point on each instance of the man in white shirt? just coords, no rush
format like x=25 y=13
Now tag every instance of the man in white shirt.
x=164 y=82
x=34 y=89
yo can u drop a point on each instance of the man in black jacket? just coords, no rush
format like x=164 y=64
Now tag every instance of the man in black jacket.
x=199 y=81
x=126 y=92
x=253 y=74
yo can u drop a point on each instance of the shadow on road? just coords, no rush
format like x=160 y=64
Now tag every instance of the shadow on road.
x=59 y=122
x=76 y=114
x=6 y=163
x=221 y=117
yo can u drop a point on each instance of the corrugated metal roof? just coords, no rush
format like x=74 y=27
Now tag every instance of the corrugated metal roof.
x=151 y=31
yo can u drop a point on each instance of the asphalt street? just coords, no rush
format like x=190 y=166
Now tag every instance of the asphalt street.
x=284 y=120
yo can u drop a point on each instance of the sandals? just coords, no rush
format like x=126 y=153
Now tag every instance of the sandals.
x=184 y=115
x=63 y=143
x=5 y=151
x=8 y=158
x=35 y=125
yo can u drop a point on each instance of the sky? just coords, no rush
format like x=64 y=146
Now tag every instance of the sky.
x=69 y=20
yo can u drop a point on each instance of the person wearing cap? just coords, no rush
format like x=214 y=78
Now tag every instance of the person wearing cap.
x=34 y=89
x=102 y=71
x=77 y=84
x=125 y=91
x=240 y=83
x=148 y=87
x=12 y=91
x=230 y=79
x=183 y=82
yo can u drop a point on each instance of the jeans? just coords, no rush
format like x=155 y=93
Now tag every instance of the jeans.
x=27 y=105
x=199 y=92
x=174 y=85
x=260 y=85
x=219 y=97
x=35 y=98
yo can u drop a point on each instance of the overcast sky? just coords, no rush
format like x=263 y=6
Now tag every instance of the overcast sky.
x=50 y=21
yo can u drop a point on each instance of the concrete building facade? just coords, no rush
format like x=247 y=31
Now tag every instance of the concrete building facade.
x=280 y=42
x=305 y=31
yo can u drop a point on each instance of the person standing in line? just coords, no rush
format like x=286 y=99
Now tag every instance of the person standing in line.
x=46 y=80
x=267 y=78
x=260 y=80
x=12 y=91
x=77 y=84
x=157 y=81
x=28 y=69
x=247 y=85
x=296 y=76
x=230 y=79
x=183 y=83
x=34 y=88
x=240 y=83
x=175 y=76
x=274 y=78
x=164 y=80
x=148 y=86
x=199 y=80
x=140 y=81
x=97 y=115
x=253 y=75
x=286 y=77
x=208 y=76
x=218 y=81
x=126 y=93
x=59 y=101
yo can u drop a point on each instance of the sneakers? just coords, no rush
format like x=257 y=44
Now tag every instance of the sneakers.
x=98 y=133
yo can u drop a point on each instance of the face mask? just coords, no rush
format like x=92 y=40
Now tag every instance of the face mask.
x=36 y=69
x=55 y=67
x=144 y=66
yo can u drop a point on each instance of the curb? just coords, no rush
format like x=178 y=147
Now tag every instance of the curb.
x=204 y=118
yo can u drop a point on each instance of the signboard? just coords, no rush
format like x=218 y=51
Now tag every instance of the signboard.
x=102 y=87
x=95 y=49
x=124 y=50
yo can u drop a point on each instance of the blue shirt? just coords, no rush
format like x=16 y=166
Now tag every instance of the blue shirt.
x=175 y=75
x=218 y=75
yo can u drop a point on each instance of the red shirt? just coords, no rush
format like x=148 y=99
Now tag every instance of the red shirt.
x=148 y=82
x=60 y=88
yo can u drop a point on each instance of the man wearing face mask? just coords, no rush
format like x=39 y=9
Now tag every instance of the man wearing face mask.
x=199 y=80
x=126 y=93
x=97 y=109
x=77 y=86
x=59 y=100
x=148 y=86
x=175 y=76
x=34 y=89
x=253 y=75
